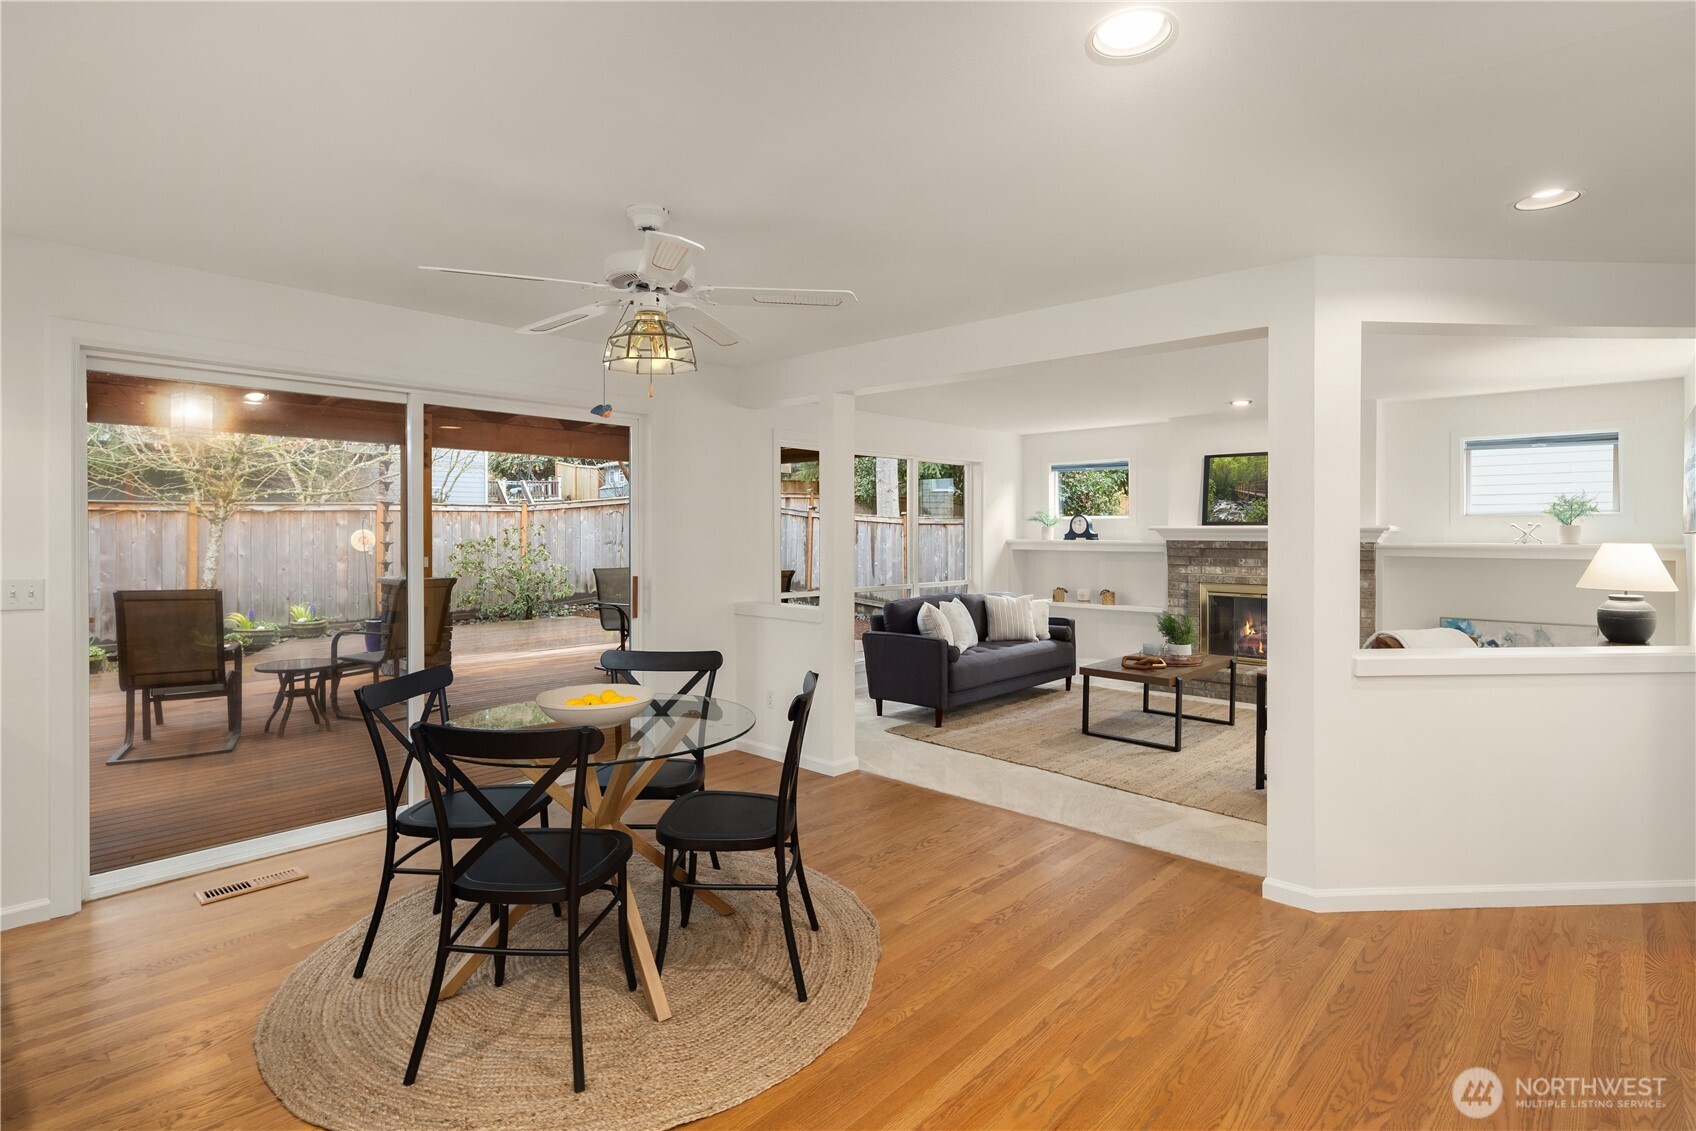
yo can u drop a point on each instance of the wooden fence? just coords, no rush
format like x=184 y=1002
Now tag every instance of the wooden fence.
x=275 y=556
x=880 y=549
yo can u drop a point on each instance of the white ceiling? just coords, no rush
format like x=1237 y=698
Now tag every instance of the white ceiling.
x=947 y=161
x=1143 y=387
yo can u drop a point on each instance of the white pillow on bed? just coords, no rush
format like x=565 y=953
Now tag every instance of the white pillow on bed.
x=934 y=624
x=960 y=621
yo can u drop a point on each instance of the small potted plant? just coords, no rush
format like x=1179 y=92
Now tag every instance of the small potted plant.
x=97 y=657
x=305 y=621
x=1568 y=510
x=252 y=635
x=1048 y=519
x=1178 y=630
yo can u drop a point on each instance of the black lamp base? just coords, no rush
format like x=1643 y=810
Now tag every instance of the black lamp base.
x=1626 y=618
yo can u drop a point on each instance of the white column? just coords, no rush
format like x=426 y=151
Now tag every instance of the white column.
x=830 y=736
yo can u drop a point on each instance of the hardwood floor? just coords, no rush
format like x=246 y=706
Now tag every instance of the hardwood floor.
x=1031 y=976
x=272 y=782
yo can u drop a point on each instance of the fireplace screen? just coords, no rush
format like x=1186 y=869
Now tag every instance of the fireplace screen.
x=1233 y=621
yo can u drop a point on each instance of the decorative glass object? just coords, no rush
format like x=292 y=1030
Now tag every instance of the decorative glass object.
x=649 y=345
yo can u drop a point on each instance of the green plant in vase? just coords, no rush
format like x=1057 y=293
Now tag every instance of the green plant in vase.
x=1048 y=519
x=1178 y=630
x=1568 y=510
x=253 y=635
x=305 y=621
x=97 y=657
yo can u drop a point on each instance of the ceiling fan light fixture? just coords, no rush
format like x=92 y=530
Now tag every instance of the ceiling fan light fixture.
x=649 y=345
x=1133 y=33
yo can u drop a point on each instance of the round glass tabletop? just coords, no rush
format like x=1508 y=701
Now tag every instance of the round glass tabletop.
x=670 y=725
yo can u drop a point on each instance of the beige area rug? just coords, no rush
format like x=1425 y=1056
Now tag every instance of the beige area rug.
x=1040 y=728
x=334 y=1050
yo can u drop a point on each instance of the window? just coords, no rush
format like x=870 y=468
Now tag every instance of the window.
x=1099 y=490
x=942 y=528
x=1523 y=474
x=798 y=525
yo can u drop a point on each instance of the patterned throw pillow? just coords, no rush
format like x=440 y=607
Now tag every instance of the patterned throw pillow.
x=933 y=624
x=1009 y=617
x=960 y=620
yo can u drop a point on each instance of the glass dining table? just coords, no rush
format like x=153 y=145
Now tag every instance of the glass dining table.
x=671 y=726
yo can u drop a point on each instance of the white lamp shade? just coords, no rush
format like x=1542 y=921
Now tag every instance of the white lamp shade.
x=1627 y=567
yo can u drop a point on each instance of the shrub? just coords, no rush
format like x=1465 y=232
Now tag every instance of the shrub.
x=502 y=577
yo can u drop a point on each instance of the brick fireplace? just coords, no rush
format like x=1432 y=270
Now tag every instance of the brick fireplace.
x=1221 y=583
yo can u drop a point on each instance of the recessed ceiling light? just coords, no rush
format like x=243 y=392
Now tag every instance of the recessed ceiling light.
x=1132 y=34
x=1241 y=402
x=449 y=427
x=1548 y=198
x=253 y=398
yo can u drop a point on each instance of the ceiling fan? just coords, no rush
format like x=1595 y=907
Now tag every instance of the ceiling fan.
x=661 y=276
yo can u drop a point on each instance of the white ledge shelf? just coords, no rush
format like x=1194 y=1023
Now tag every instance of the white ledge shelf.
x=1082 y=546
x=1487 y=662
x=1244 y=533
x=1065 y=608
x=1519 y=551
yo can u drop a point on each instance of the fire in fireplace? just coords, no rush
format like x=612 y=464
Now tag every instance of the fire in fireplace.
x=1233 y=621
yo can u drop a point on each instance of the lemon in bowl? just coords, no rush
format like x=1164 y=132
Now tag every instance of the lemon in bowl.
x=595 y=704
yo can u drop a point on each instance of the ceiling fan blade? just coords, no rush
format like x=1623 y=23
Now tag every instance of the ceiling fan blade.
x=666 y=258
x=765 y=296
x=526 y=278
x=696 y=321
x=571 y=317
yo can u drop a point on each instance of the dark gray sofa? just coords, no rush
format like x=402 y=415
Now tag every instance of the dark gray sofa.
x=908 y=668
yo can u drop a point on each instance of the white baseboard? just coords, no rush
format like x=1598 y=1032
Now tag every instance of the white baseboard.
x=808 y=762
x=225 y=855
x=1481 y=895
x=30 y=911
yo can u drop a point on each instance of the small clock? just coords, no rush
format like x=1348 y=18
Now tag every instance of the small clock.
x=1081 y=527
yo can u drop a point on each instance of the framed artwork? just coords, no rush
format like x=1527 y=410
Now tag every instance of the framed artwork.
x=1526 y=634
x=1690 y=473
x=1233 y=489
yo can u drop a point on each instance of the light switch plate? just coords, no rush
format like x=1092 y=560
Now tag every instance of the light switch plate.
x=23 y=593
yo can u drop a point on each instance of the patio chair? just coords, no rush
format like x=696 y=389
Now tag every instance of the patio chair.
x=391 y=656
x=171 y=646
x=612 y=598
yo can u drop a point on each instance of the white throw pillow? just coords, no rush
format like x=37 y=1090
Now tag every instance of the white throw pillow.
x=1009 y=617
x=960 y=620
x=934 y=624
x=1039 y=616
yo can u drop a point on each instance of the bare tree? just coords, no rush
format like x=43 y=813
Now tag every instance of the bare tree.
x=220 y=473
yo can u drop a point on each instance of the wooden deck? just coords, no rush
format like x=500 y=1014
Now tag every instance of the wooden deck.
x=150 y=810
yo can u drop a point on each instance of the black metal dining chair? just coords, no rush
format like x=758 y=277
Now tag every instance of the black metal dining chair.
x=724 y=821
x=465 y=819
x=679 y=776
x=511 y=865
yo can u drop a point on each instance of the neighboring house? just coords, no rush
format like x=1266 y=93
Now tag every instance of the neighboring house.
x=460 y=477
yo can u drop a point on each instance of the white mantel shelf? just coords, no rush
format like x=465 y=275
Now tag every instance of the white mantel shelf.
x=1066 y=608
x=1485 y=662
x=1082 y=546
x=1244 y=533
x=1518 y=551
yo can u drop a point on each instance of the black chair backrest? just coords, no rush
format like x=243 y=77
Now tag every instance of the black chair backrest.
x=376 y=698
x=169 y=637
x=442 y=749
x=612 y=589
x=800 y=710
x=703 y=665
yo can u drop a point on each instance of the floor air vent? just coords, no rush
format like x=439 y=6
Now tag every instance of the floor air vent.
x=242 y=887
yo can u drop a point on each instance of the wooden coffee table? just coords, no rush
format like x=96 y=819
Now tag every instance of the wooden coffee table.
x=1172 y=677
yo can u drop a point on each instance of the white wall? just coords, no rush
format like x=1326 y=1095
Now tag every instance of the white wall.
x=1423 y=480
x=57 y=297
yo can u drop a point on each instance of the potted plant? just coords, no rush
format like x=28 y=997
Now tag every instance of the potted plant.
x=252 y=635
x=1178 y=630
x=1048 y=519
x=97 y=657
x=1568 y=510
x=305 y=621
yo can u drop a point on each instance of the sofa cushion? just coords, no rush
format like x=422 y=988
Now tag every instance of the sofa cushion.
x=903 y=615
x=1009 y=617
x=996 y=660
x=932 y=623
x=960 y=624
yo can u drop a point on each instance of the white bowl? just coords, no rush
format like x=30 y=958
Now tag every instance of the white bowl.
x=553 y=704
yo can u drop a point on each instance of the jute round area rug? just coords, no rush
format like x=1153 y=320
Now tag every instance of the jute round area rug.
x=334 y=1050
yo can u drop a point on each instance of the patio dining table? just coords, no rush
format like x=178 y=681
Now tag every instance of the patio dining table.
x=670 y=726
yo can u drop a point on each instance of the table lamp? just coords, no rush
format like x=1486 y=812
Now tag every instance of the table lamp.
x=1619 y=567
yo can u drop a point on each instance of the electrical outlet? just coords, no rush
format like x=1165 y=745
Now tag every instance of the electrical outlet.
x=25 y=593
